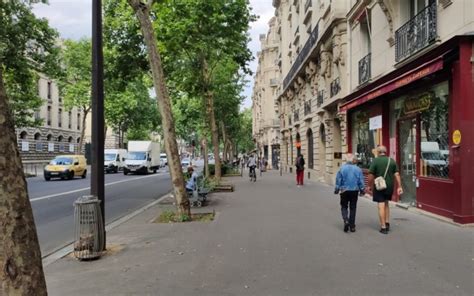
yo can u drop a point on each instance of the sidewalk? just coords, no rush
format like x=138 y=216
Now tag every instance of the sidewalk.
x=272 y=238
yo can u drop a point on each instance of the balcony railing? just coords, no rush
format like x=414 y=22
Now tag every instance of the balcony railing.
x=335 y=87
x=320 y=98
x=307 y=107
x=296 y=115
x=364 y=69
x=302 y=56
x=417 y=33
x=307 y=5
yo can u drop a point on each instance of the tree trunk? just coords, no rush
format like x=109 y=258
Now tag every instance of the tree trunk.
x=206 y=158
x=142 y=12
x=212 y=120
x=21 y=269
x=224 y=140
x=83 y=129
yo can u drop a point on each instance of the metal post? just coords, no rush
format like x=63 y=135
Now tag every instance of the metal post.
x=97 y=166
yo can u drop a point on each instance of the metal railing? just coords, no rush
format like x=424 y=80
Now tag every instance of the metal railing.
x=320 y=98
x=302 y=56
x=307 y=5
x=335 y=87
x=419 y=32
x=364 y=69
x=307 y=107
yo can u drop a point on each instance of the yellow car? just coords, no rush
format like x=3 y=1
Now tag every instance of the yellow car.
x=66 y=167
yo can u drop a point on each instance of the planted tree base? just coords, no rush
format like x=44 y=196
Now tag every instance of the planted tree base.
x=172 y=217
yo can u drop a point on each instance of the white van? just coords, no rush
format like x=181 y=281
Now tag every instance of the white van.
x=142 y=157
x=114 y=160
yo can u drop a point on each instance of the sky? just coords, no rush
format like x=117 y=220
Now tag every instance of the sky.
x=72 y=18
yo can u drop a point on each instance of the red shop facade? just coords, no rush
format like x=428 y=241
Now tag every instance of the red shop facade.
x=423 y=112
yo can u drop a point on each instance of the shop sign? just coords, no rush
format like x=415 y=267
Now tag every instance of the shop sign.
x=418 y=104
x=457 y=137
x=375 y=123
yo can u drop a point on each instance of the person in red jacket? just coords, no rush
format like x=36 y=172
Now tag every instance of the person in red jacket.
x=299 y=170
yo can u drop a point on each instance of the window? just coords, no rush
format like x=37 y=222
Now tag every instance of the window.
x=78 y=120
x=60 y=117
x=70 y=119
x=365 y=30
x=49 y=91
x=38 y=143
x=49 y=116
x=364 y=140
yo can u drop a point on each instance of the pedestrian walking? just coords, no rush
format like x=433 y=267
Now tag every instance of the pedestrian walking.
x=383 y=173
x=349 y=183
x=299 y=170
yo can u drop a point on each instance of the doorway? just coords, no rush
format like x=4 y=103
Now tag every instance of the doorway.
x=408 y=143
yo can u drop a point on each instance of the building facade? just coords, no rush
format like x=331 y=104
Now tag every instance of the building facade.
x=266 y=125
x=357 y=74
x=313 y=62
x=60 y=130
x=411 y=89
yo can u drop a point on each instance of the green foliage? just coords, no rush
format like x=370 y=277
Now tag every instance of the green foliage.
x=244 y=136
x=27 y=48
x=75 y=82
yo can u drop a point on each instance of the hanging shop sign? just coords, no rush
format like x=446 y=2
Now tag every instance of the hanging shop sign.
x=418 y=104
x=457 y=137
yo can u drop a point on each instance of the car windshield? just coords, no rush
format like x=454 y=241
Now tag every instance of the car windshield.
x=431 y=156
x=109 y=156
x=136 y=155
x=61 y=161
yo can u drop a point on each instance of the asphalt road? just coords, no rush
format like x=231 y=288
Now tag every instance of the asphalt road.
x=53 y=208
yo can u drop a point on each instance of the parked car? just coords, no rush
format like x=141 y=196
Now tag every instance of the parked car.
x=185 y=162
x=66 y=167
x=114 y=160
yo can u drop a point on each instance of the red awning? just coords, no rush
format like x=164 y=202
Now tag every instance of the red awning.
x=407 y=78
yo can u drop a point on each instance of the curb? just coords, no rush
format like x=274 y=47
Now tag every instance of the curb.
x=64 y=251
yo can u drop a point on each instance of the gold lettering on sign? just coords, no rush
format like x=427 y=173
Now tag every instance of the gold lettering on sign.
x=418 y=104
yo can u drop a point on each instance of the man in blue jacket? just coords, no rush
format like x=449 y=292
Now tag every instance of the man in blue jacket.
x=349 y=182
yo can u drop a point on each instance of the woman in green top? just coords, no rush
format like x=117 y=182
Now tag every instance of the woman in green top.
x=386 y=167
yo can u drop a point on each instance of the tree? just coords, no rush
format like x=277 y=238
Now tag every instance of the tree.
x=198 y=35
x=27 y=47
x=142 y=12
x=75 y=82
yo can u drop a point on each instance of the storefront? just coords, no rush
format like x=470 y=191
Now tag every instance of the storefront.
x=423 y=112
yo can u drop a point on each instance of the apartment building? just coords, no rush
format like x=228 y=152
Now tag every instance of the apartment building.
x=411 y=89
x=266 y=125
x=357 y=74
x=60 y=131
x=313 y=62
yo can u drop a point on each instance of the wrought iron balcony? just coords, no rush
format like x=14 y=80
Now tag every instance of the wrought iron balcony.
x=335 y=87
x=320 y=98
x=307 y=5
x=296 y=115
x=307 y=107
x=302 y=56
x=364 y=69
x=417 y=33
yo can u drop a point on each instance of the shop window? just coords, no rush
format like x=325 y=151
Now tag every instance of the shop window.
x=364 y=139
x=431 y=106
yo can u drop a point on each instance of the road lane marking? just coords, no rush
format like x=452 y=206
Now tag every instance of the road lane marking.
x=87 y=188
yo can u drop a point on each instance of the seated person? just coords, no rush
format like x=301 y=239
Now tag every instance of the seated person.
x=192 y=181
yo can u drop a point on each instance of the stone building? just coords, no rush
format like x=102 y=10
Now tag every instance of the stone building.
x=312 y=62
x=411 y=89
x=266 y=133
x=60 y=131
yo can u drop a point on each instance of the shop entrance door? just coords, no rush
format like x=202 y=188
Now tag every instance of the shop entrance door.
x=407 y=135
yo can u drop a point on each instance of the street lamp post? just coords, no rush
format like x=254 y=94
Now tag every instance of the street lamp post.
x=97 y=165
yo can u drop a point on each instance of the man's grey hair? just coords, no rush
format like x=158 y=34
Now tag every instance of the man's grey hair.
x=382 y=149
x=349 y=157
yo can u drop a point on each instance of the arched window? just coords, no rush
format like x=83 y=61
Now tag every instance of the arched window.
x=322 y=149
x=291 y=149
x=37 y=136
x=60 y=138
x=309 y=135
x=49 y=137
x=23 y=135
x=70 y=139
x=38 y=144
